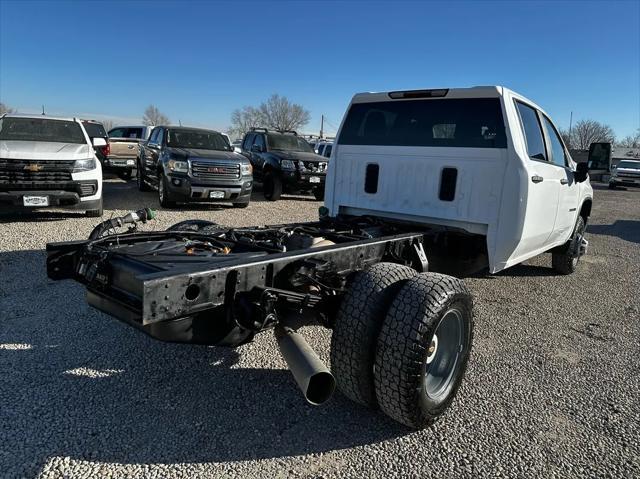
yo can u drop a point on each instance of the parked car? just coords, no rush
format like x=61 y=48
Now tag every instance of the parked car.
x=124 y=148
x=284 y=163
x=49 y=162
x=95 y=129
x=193 y=165
x=419 y=182
x=625 y=173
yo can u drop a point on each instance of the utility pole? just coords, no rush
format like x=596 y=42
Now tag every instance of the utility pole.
x=43 y=109
x=570 y=124
x=321 y=125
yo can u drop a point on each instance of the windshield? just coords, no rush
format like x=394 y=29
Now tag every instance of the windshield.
x=41 y=129
x=469 y=122
x=635 y=165
x=94 y=130
x=198 y=139
x=279 y=141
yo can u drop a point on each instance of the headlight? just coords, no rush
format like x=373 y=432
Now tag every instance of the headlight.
x=84 y=165
x=288 y=165
x=246 y=169
x=178 y=166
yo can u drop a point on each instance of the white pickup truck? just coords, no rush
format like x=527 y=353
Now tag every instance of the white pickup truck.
x=49 y=162
x=421 y=183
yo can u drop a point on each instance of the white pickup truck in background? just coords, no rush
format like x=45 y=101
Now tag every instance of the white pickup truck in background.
x=124 y=148
x=49 y=162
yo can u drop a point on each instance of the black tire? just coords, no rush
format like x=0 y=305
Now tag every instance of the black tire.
x=97 y=213
x=357 y=324
x=240 y=205
x=564 y=260
x=140 y=179
x=163 y=192
x=126 y=175
x=318 y=193
x=414 y=383
x=272 y=186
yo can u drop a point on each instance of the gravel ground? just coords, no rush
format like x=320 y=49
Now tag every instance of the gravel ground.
x=551 y=391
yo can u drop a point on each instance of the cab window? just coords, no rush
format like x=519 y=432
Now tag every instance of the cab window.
x=259 y=141
x=248 y=141
x=532 y=132
x=558 y=155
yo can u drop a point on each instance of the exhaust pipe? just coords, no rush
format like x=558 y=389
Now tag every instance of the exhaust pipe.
x=311 y=374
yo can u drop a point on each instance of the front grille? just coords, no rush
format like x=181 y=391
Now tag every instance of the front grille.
x=629 y=175
x=314 y=166
x=40 y=171
x=215 y=170
x=85 y=188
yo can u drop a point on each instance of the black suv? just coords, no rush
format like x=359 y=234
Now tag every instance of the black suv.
x=284 y=163
x=192 y=164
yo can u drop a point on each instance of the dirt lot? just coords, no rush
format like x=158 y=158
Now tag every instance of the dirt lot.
x=551 y=391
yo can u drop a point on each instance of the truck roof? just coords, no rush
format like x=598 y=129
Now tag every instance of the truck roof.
x=36 y=115
x=491 y=91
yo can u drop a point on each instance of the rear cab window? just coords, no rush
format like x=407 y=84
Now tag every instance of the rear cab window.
x=137 y=133
x=457 y=122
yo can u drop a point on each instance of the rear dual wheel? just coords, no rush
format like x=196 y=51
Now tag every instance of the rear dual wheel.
x=401 y=342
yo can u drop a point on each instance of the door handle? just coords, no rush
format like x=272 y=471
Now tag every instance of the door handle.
x=537 y=179
x=564 y=181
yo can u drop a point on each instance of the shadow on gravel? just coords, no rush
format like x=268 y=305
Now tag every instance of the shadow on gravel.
x=39 y=216
x=519 y=270
x=627 y=230
x=121 y=195
x=78 y=383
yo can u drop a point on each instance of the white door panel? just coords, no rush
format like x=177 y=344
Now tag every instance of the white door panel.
x=542 y=207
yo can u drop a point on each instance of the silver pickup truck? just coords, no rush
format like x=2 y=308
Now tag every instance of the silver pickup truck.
x=625 y=173
x=124 y=148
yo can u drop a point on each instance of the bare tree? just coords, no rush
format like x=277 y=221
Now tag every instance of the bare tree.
x=153 y=116
x=5 y=109
x=108 y=125
x=586 y=132
x=280 y=114
x=631 y=141
x=242 y=120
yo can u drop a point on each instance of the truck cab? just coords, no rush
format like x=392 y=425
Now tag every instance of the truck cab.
x=481 y=161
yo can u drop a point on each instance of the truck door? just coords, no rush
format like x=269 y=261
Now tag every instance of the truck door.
x=257 y=157
x=544 y=184
x=152 y=153
x=569 y=191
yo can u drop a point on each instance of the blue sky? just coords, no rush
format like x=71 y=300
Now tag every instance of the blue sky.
x=198 y=61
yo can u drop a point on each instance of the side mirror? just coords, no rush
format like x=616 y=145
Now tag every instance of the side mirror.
x=99 y=142
x=257 y=149
x=582 y=172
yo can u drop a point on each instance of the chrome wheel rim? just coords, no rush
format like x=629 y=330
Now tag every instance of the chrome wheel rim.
x=161 y=190
x=443 y=355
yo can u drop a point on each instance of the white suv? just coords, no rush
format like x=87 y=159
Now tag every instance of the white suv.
x=48 y=162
